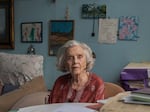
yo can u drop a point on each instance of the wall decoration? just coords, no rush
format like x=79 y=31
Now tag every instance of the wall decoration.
x=7 y=24
x=128 y=28
x=90 y=11
x=108 y=29
x=67 y=13
x=60 y=32
x=31 y=50
x=31 y=32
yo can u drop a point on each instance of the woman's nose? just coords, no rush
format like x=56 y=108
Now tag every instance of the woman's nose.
x=75 y=59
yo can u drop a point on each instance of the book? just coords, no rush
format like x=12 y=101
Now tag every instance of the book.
x=129 y=99
x=140 y=98
x=141 y=95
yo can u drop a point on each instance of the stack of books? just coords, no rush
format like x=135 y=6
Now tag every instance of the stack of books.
x=141 y=96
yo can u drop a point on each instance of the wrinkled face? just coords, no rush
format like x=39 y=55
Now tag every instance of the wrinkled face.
x=75 y=60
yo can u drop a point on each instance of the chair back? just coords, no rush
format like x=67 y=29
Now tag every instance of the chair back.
x=112 y=89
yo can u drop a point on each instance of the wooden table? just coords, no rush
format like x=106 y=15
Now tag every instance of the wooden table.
x=116 y=105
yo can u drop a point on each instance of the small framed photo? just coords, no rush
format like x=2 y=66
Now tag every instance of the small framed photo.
x=31 y=32
x=90 y=11
x=60 y=32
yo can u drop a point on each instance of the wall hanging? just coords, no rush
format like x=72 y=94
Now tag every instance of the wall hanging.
x=90 y=11
x=128 y=28
x=108 y=29
x=93 y=11
x=60 y=32
x=7 y=24
x=31 y=32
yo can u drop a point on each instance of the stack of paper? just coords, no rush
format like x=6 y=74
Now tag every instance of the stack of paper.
x=60 y=107
x=141 y=96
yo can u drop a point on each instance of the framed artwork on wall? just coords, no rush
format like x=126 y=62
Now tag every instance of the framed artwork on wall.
x=31 y=32
x=90 y=11
x=128 y=28
x=7 y=24
x=60 y=32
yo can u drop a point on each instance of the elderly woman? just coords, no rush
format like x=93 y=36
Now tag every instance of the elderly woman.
x=78 y=84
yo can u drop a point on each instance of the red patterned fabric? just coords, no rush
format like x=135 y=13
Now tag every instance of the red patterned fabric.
x=62 y=91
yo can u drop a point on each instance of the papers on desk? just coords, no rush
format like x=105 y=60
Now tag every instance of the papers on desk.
x=73 y=108
x=141 y=96
x=104 y=101
x=129 y=99
x=64 y=107
x=115 y=105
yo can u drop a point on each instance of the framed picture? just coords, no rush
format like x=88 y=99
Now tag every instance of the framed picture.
x=31 y=32
x=7 y=24
x=128 y=28
x=60 y=32
x=90 y=11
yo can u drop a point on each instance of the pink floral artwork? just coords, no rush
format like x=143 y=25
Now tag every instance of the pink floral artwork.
x=128 y=27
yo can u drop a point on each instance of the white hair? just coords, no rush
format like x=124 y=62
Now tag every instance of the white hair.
x=61 y=55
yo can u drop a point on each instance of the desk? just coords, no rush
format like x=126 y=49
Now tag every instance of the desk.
x=115 y=105
x=53 y=107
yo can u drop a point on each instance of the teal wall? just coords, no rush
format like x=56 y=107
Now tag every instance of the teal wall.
x=111 y=58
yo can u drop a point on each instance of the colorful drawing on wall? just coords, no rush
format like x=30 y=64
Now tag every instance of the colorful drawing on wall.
x=90 y=11
x=31 y=32
x=128 y=28
x=60 y=32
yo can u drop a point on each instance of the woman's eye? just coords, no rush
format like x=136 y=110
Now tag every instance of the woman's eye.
x=80 y=56
x=69 y=58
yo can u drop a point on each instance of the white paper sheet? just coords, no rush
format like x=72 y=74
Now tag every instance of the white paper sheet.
x=104 y=101
x=65 y=107
x=72 y=108
x=108 y=29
